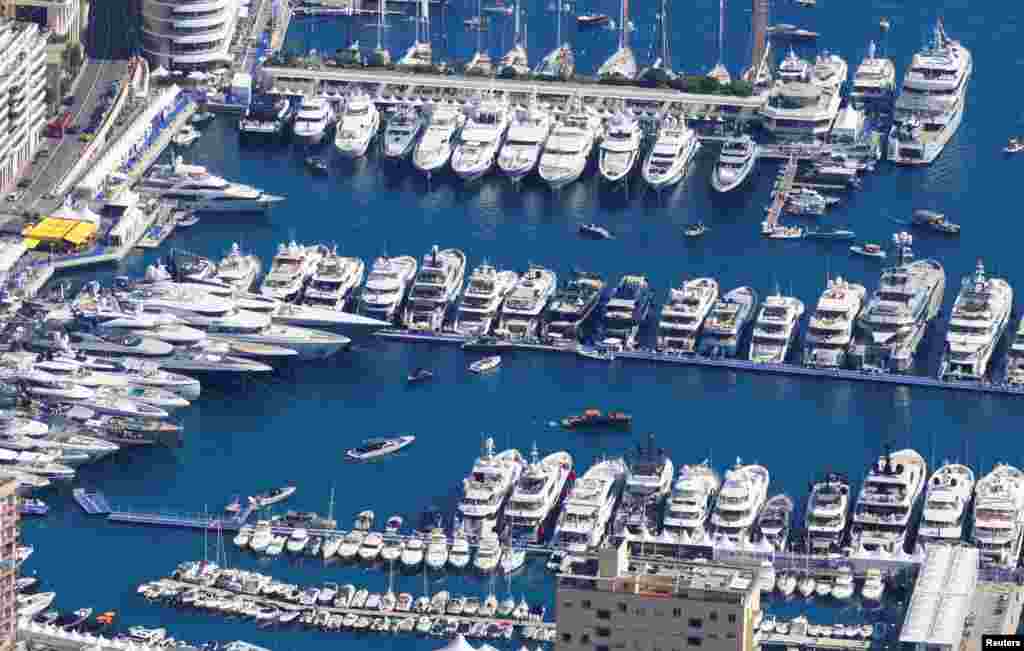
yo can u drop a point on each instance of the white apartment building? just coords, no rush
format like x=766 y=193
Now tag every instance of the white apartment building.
x=188 y=34
x=22 y=96
x=65 y=18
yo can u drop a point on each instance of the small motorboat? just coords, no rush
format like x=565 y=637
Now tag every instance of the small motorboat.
x=1015 y=146
x=884 y=24
x=186 y=136
x=838 y=234
x=317 y=164
x=106 y=619
x=419 y=375
x=596 y=231
x=868 y=250
x=485 y=364
x=186 y=219
x=935 y=221
x=33 y=506
x=379 y=447
x=78 y=618
x=595 y=418
x=695 y=230
x=201 y=117
x=786 y=233
x=592 y=20
x=264 y=500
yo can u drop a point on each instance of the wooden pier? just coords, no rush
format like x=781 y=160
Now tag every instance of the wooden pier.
x=779 y=193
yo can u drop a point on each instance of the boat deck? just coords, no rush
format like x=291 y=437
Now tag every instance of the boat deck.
x=93 y=503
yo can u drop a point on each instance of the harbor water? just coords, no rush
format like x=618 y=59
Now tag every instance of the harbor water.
x=245 y=436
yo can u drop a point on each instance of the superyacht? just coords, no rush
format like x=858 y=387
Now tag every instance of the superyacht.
x=385 y=287
x=729 y=319
x=237 y=271
x=588 y=509
x=536 y=495
x=291 y=268
x=568 y=148
x=195 y=189
x=775 y=329
x=334 y=281
x=891 y=326
x=626 y=311
x=620 y=147
x=688 y=509
x=888 y=495
x=437 y=285
x=481 y=140
x=827 y=514
x=805 y=100
x=674 y=147
x=486 y=489
x=401 y=132
x=931 y=102
x=527 y=134
x=735 y=163
x=570 y=307
x=439 y=139
x=740 y=499
x=944 y=518
x=520 y=316
x=1014 y=373
x=999 y=516
x=648 y=482
x=312 y=121
x=976 y=324
x=774 y=524
x=483 y=296
x=266 y=117
x=683 y=315
x=874 y=82
x=830 y=329
x=357 y=126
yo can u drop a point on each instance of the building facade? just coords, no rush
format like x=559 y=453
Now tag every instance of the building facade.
x=22 y=96
x=8 y=544
x=188 y=34
x=64 y=18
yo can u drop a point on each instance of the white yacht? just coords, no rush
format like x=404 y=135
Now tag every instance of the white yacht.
x=648 y=483
x=236 y=270
x=683 y=314
x=195 y=189
x=827 y=514
x=488 y=554
x=484 y=293
x=804 y=102
x=669 y=158
x=931 y=102
x=385 y=287
x=262 y=536
x=292 y=266
x=413 y=553
x=480 y=140
x=536 y=494
x=735 y=163
x=435 y=147
x=520 y=315
x=888 y=496
x=949 y=493
x=874 y=81
x=743 y=493
x=589 y=506
x=568 y=148
x=334 y=281
x=775 y=329
x=401 y=132
x=830 y=329
x=437 y=285
x=999 y=516
x=527 y=135
x=688 y=509
x=620 y=147
x=459 y=554
x=774 y=524
x=976 y=324
x=436 y=556
x=312 y=121
x=357 y=126
x=486 y=489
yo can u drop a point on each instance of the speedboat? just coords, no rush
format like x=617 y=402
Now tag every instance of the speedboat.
x=1014 y=146
x=669 y=158
x=292 y=266
x=483 y=296
x=520 y=315
x=620 y=147
x=480 y=140
x=438 y=141
x=488 y=554
x=775 y=329
x=527 y=134
x=273 y=496
x=437 y=550
x=400 y=134
x=488 y=486
x=596 y=231
x=334 y=281
x=314 y=118
x=437 y=285
x=868 y=250
x=357 y=126
x=379 y=447
x=569 y=146
x=412 y=555
x=297 y=541
x=372 y=544
x=458 y=555
x=485 y=364
x=385 y=287
x=735 y=162
x=682 y=316
x=186 y=136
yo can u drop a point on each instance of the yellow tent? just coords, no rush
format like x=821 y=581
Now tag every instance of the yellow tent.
x=80 y=233
x=51 y=230
x=30 y=243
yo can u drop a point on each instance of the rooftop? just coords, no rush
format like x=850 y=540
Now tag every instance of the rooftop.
x=673 y=579
x=942 y=596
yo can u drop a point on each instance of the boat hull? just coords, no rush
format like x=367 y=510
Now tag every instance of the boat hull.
x=728 y=185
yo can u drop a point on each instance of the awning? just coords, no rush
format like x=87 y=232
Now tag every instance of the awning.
x=31 y=243
x=80 y=233
x=51 y=229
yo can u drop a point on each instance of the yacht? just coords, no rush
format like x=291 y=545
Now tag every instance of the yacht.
x=729 y=318
x=483 y=296
x=262 y=536
x=313 y=119
x=488 y=554
x=999 y=516
x=334 y=281
x=735 y=163
x=435 y=288
x=570 y=307
x=588 y=508
x=976 y=324
x=743 y=493
x=385 y=287
x=804 y=102
x=830 y=329
x=683 y=314
x=568 y=148
x=827 y=514
x=892 y=324
x=946 y=501
x=620 y=147
x=520 y=316
x=195 y=189
x=357 y=126
x=401 y=132
x=874 y=82
x=267 y=116
x=527 y=135
x=291 y=268
x=1014 y=373
x=648 y=482
x=693 y=496
x=775 y=329
x=436 y=556
x=413 y=553
x=435 y=147
x=536 y=494
x=931 y=102
x=237 y=271
x=774 y=523
x=481 y=140
x=459 y=554
x=888 y=495
x=667 y=161
x=626 y=311
x=486 y=489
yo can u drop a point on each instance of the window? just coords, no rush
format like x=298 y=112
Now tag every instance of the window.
x=566 y=637
x=693 y=641
x=567 y=604
x=713 y=616
x=696 y=623
x=604 y=614
x=732 y=618
x=731 y=636
x=585 y=603
x=622 y=608
x=677 y=612
x=585 y=639
x=603 y=631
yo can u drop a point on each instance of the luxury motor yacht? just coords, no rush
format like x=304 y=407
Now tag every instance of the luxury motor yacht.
x=12 y=424
x=947 y=497
x=874 y=82
x=527 y=135
x=267 y=116
x=688 y=509
x=570 y=307
x=385 y=287
x=482 y=298
x=314 y=117
x=520 y=315
x=237 y=271
x=931 y=102
x=109 y=316
x=620 y=147
x=805 y=99
x=480 y=140
x=735 y=163
x=334 y=280
x=401 y=132
x=830 y=329
x=589 y=506
x=892 y=324
x=976 y=324
x=626 y=311
x=999 y=516
x=775 y=329
x=683 y=314
x=743 y=493
x=648 y=483
x=486 y=489
x=195 y=189
x=568 y=148
x=667 y=161
x=357 y=126
x=827 y=514
x=437 y=285
x=291 y=268
x=729 y=318
x=536 y=495
x=888 y=496
x=774 y=523
x=1014 y=373
x=439 y=139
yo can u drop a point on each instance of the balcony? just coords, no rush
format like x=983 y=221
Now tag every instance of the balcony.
x=200 y=23
x=213 y=35
x=199 y=7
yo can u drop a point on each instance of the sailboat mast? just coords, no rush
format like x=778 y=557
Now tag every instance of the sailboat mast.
x=624 y=18
x=479 y=24
x=517 y=39
x=380 y=26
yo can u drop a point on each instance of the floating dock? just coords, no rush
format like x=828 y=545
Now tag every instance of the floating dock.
x=779 y=193
x=92 y=502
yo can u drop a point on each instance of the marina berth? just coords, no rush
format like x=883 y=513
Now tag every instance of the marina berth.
x=437 y=285
x=312 y=120
x=571 y=305
x=483 y=296
x=569 y=146
x=435 y=148
x=669 y=158
x=386 y=285
x=292 y=267
x=683 y=314
x=481 y=139
x=334 y=281
x=735 y=163
x=536 y=495
x=588 y=508
x=690 y=505
x=625 y=312
x=620 y=147
x=357 y=125
x=521 y=313
x=727 y=322
x=194 y=188
x=649 y=475
x=976 y=324
x=948 y=494
x=888 y=496
x=775 y=329
x=743 y=494
x=999 y=516
x=827 y=515
x=486 y=489
x=830 y=329
x=527 y=136
x=402 y=132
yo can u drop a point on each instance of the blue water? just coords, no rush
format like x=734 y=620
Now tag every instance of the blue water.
x=244 y=436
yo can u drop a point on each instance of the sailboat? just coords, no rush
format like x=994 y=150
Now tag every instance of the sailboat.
x=515 y=63
x=480 y=63
x=559 y=63
x=622 y=64
x=381 y=55
x=420 y=52
x=660 y=71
